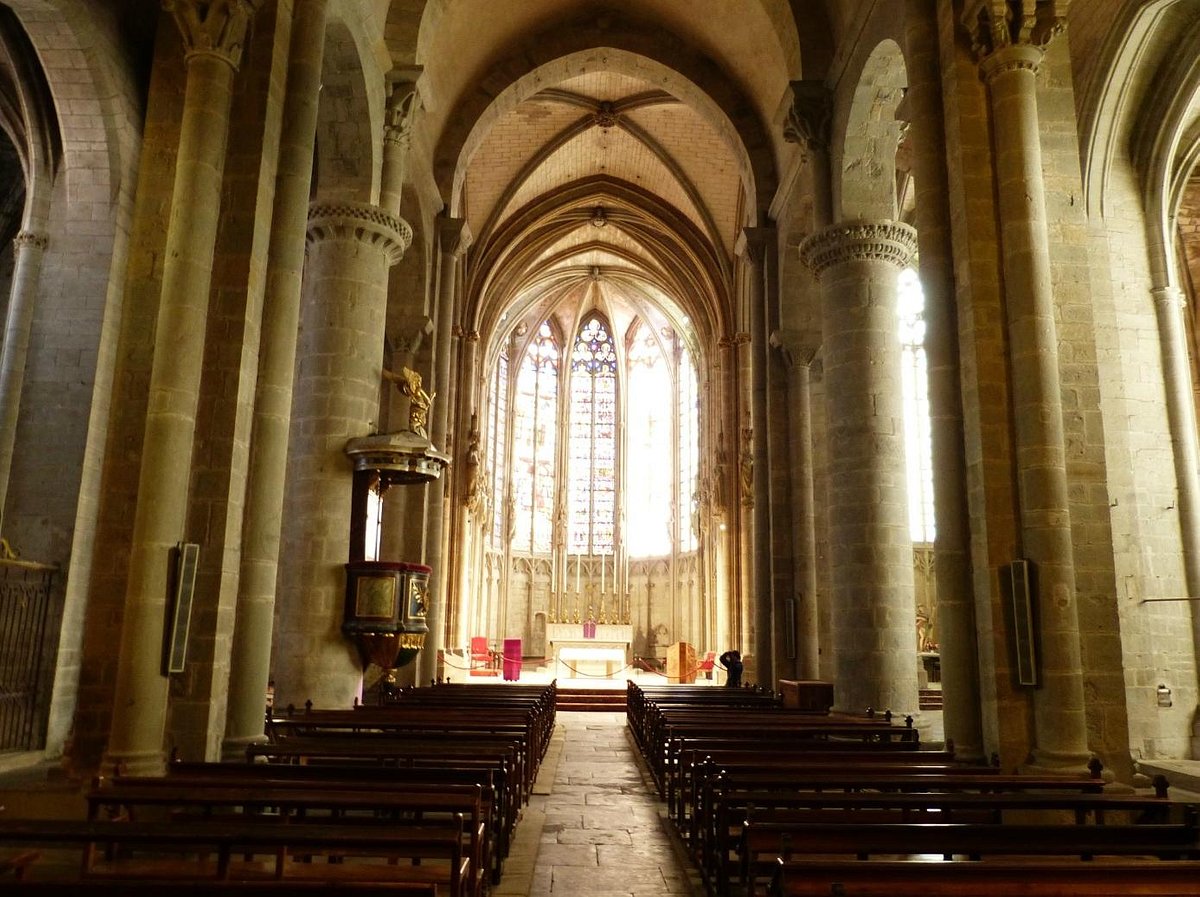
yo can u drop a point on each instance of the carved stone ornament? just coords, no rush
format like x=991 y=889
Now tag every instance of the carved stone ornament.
x=996 y=24
x=29 y=239
x=402 y=108
x=362 y=222
x=883 y=241
x=605 y=115
x=213 y=27
x=810 y=117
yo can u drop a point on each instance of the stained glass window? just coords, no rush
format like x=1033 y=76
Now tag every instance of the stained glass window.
x=915 y=384
x=592 y=441
x=689 y=450
x=649 y=497
x=535 y=415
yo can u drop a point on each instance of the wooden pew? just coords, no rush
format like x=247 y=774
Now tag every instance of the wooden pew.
x=227 y=849
x=498 y=805
x=763 y=843
x=720 y=848
x=141 y=887
x=419 y=805
x=416 y=750
x=1007 y=878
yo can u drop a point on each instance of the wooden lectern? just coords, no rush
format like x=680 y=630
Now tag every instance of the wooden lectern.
x=681 y=664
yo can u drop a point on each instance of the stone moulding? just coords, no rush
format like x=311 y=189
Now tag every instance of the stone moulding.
x=884 y=241
x=360 y=222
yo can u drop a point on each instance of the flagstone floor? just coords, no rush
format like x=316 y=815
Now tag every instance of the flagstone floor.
x=595 y=826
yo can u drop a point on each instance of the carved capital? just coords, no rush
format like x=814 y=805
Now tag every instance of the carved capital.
x=453 y=236
x=31 y=240
x=404 y=102
x=880 y=241
x=213 y=27
x=797 y=347
x=754 y=243
x=995 y=25
x=810 y=117
x=360 y=222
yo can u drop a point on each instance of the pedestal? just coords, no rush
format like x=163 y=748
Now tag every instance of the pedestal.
x=681 y=664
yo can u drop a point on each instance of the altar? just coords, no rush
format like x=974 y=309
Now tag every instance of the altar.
x=591 y=649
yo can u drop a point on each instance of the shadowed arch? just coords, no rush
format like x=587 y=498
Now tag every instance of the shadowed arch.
x=349 y=120
x=866 y=180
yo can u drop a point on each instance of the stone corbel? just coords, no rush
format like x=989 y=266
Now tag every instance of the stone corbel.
x=403 y=104
x=996 y=24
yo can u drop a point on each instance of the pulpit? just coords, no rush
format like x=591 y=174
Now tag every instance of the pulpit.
x=681 y=664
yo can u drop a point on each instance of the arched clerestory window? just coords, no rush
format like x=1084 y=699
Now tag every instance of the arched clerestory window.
x=592 y=441
x=535 y=439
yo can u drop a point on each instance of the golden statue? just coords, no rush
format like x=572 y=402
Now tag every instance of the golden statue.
x=419 y=400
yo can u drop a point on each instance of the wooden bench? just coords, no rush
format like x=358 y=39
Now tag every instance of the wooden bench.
x=498 y=806
x=174 y=887
x=227 y=849
x=720 y=846
x=764 y=842
x=410 y=751
x=1006 y=878
x=417 y=806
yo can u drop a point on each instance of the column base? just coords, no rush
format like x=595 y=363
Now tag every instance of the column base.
x=1053 y=763
x=133 y=763
x=233 y=749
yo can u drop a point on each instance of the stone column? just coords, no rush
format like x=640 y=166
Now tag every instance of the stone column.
x=1009 y=43
x=450 y=233
x=213 y=34
x=351 y=246
x=808 y=123
x=870 y=552
x=754 y=245
x=251 y=652
x=1169 y=303
x=799 y=356
x=403 y=104
x=28 y=249
x=952 y=568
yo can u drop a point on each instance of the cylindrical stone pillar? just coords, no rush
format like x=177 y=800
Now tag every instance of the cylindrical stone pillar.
x=762 y=592
x=351 y=246
x=1060 y=723
x=870 y=547
x=804 y=509
x=397 y=139
x=450 y=244
x=213 y=35
x=957 y=644
x=28 y=249
x=251 y=652
x=1169 y=304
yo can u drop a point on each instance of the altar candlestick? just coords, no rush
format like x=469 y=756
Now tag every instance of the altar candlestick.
x=602 y=566
x=578 y=570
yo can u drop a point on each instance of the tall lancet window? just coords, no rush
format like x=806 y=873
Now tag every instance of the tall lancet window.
x=535 y=412
x=650 y=491
x=497 y=432
x=689 y=450
x=915 y=384
x=592 y=441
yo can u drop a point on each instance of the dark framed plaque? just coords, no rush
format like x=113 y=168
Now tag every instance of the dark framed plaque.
x=186 y=556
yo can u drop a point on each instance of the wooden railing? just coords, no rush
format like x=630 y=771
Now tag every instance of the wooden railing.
x=25 y=646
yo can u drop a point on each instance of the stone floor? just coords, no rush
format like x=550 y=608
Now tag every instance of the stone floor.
x=594 y=826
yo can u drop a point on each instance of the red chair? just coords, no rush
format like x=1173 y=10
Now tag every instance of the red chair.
x=706 y=665
x=481 y=657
